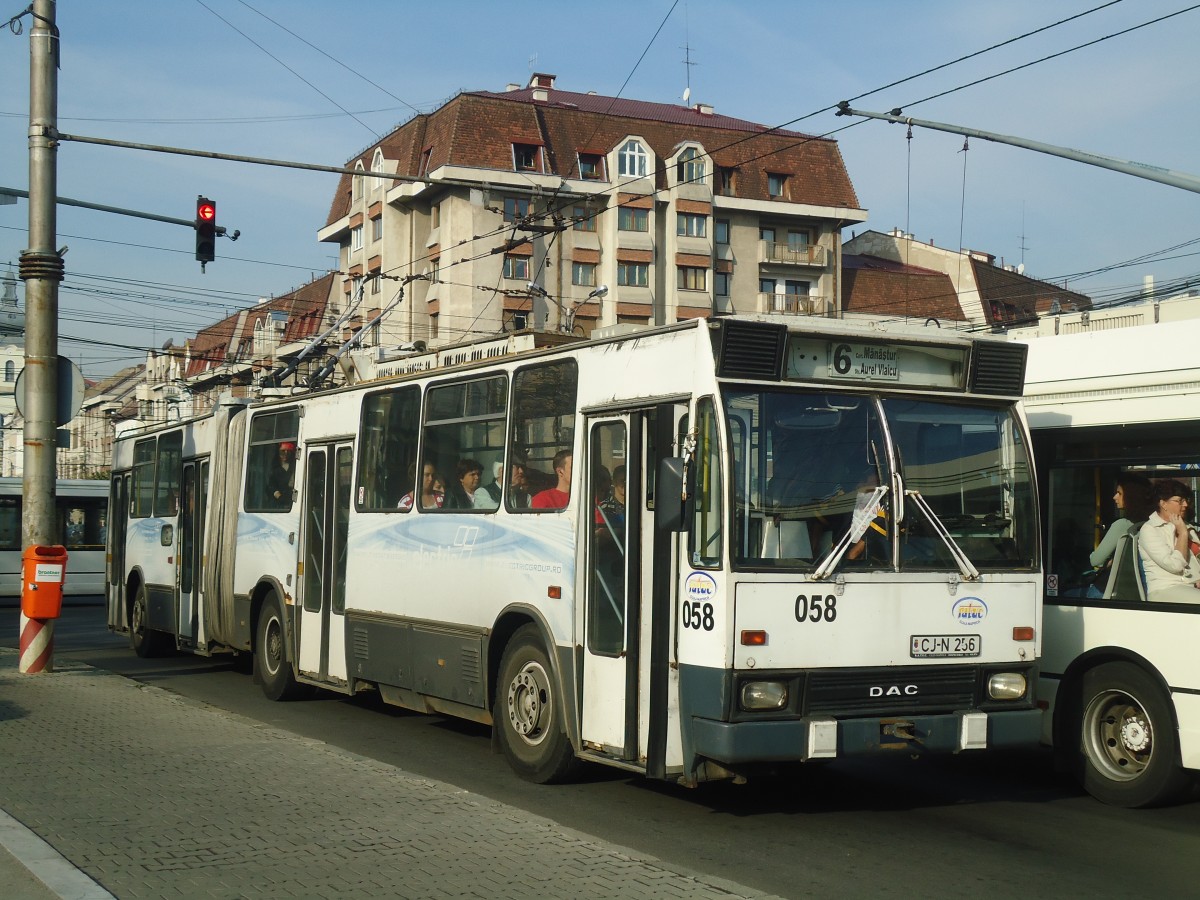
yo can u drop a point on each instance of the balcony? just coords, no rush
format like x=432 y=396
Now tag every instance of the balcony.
x=795 y=304
x=791 y=254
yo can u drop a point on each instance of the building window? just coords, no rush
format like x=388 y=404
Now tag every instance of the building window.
x=377 y=166
x=356 y=238
x=377 y=229
x=721 y=231
x=424 y=168
x=356 y=183
x=633 y=274
x=721 y=284
x=766 y=285
x=692 y=278
x=10 y=370
x=630 y=219
x=515 y=208
x=375 y=282
x=591 y=166
x=691 y=166
x=527 y=157
x=631 y=159
x=435 y=216
x=776 y=184
x=435 y=270
x=767 y=234
x=583 y=274
x=798 y=241
x=692 y=225
x=583 y=218
x=726 y=177
x=520 y=321
x=516 y=267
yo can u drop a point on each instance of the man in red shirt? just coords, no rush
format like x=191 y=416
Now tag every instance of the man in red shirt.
x=558 y=496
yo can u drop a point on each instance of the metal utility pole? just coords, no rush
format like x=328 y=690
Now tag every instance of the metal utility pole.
x=1127 y=166
x=42 y=269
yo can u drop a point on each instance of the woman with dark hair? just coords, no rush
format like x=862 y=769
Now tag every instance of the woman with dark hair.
x=1135 y=501
x=1172 y=570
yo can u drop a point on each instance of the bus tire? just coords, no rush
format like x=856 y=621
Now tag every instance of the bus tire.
x=528 y=712
x=1127 y=740
x=145 y=641
x=270 y=655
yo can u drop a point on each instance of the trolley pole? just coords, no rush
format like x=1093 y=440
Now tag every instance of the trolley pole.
x=41 y=269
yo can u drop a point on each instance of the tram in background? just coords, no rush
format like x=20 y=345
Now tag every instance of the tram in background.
x=1119 y=674
x=81 y=525
x=827 y=544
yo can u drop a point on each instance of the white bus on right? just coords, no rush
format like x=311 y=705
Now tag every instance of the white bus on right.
x=1113 y=402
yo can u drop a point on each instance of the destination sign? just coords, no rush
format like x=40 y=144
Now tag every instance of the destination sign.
x=910 y=365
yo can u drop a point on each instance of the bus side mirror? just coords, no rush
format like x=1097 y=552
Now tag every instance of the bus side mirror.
x=670 y=506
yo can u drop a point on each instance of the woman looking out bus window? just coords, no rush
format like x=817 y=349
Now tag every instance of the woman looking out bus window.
x=1134 y=499
x=1172 y=570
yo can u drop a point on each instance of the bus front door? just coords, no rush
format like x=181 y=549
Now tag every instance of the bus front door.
x=115 y=525
x=326 y=522
x=190 y=552
x=616 y=521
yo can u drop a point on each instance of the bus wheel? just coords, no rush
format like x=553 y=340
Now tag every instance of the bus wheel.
x=1128 y=742
x=270 y=655
x=528 y=713
x=145 y=641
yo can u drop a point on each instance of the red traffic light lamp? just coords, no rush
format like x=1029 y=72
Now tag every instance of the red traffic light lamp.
x=206 y=231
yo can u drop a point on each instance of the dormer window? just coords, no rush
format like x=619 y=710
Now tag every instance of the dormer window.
x=356 y=182
x=776 y=184
x=591 y=167
x=726 y=181
x=691 y=166
x=631 y=159
x=527 y=157
x=377 y=166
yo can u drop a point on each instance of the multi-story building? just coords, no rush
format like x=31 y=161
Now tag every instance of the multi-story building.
x=893 y=275
x=615 y=211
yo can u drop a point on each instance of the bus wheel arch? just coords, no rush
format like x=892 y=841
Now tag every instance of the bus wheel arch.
x=144 y=640
x=272 y=641
x=529 y=709
x=1115 y=730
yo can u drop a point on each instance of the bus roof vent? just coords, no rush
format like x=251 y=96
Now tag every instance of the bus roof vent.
x=999 y=368
x=749 y=349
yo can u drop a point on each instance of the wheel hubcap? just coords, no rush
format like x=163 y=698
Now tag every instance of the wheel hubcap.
x=529 y=703
x=273 y=651
x=1118 y=735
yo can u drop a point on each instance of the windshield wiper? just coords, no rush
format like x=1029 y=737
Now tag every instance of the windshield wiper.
x=865 y=512
x=965 y=566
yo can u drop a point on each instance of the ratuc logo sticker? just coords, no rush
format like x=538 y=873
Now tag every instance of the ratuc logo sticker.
x=969 y=611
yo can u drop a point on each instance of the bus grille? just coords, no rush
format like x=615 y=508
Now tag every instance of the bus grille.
x=885 y=691
x=749 y=349
x=999 y=368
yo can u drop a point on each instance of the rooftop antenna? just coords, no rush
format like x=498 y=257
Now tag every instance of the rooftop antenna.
x=1023 y=247
x=532 y=62
x=687 y=57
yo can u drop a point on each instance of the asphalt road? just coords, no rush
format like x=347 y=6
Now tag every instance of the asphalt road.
x=980 y=824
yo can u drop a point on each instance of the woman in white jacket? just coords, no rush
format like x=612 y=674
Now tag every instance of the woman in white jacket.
x=1172 y=570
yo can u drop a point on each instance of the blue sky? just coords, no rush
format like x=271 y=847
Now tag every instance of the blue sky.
x=219 y=75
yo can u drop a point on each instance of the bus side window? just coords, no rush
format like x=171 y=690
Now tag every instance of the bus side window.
x=543 y=423
x=707 y=534
x=387 y=449
x=272 y=436
x=142 y=501
x=167 y=474
x=464 y=427
x=10 y=523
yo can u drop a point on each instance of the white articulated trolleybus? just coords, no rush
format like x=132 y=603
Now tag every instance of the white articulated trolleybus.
x=1119 y=673
x=713 y=547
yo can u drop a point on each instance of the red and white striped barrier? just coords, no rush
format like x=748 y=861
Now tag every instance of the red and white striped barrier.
x=37 y=645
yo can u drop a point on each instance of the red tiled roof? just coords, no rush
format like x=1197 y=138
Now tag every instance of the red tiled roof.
x=887 y=288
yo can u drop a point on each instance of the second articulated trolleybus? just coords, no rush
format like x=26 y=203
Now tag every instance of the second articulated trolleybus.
x=710 y=548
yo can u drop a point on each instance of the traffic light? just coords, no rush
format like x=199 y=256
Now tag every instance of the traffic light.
x=206 y=230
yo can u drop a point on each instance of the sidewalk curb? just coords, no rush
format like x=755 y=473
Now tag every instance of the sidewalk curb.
x=46 y=864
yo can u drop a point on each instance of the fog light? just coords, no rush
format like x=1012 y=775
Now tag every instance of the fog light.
x=764 y=695
x=1006 y=686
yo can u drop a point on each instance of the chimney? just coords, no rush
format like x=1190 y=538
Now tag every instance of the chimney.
x=542 y=80
x=705 y=109
x=1147 y=285
x=511 y=86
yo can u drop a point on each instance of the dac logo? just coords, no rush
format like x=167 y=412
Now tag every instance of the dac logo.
x=893 y=690
x=700 y=586
x=969 y=611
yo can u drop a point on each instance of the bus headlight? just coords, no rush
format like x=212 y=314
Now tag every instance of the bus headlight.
x=1006 y=686
x=764 y=695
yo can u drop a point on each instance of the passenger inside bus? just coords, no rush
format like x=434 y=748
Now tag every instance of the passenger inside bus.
x=283 y=476
x=467 y=475
x=431 y=498
x=558 y=496
x=1172 y=569
x=1134 y=503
